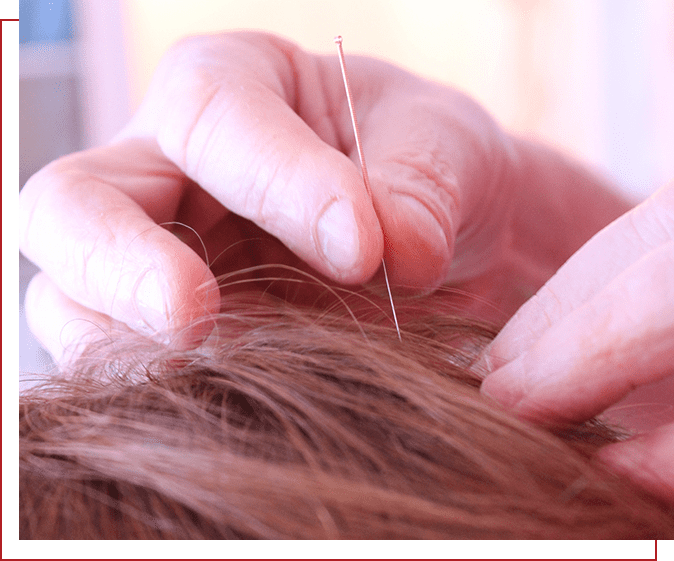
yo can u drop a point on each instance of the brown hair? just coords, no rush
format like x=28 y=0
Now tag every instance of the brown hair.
x=293 y=423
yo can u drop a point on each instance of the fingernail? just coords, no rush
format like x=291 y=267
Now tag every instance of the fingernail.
x=151 y=305
x=337 y=233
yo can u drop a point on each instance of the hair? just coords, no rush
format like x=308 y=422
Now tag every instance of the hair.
x=294 y=423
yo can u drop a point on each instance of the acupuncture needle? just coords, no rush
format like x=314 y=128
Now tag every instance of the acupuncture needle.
x=363 y=167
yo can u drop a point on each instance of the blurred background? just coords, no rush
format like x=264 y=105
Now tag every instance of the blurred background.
x=595 y=78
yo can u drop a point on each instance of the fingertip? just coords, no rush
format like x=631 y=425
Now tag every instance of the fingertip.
x=484 y=365
x=176 y=298
x=198 y=317
x=504 y=386
x=517 y=388
x=35 y=296
x=347 y=242
x=350 y=240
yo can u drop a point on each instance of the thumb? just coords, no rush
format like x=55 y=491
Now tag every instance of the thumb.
x=435 y=176
x=417 y=217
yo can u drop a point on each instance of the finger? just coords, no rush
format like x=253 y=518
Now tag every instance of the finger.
x=432 y=172
x=416 y=196
x=621 y=338
x=645 y=408
x=63 y=326
x=226 y=110
x=647 y=459
x=105 y=252
x=585 y=274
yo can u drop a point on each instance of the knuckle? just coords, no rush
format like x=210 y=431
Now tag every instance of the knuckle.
x=425 y=175
x=193 y=91
x=665 y=217
x=267 y=188
x=186 y=51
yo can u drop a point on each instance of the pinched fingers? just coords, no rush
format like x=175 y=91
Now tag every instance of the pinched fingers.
x=264 y=127
x=610 y=252
x=245 y=116
x=621 y=338
x=437 y=173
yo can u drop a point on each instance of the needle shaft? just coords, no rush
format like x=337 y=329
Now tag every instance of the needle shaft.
x=363 y=167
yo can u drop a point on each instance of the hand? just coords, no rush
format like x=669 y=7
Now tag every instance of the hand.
x=246 y=137
x=601 y=327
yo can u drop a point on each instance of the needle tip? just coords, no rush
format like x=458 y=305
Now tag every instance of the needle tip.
x=338 y=39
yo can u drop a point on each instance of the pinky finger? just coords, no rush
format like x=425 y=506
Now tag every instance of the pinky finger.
x=647 y=459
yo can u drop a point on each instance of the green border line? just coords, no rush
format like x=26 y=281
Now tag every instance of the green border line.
x=13 y=548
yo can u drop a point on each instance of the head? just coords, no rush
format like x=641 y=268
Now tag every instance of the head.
x=295 y=423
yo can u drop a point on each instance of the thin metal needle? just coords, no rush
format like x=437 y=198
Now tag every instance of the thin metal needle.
x=363 y=167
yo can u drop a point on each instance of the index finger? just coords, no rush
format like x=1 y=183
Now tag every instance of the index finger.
x=245 y=116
